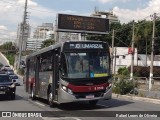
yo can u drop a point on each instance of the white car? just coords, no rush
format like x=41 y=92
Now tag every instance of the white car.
x=15 y=79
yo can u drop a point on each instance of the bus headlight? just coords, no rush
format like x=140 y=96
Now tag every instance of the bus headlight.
x=64 y=88
x=67 y=89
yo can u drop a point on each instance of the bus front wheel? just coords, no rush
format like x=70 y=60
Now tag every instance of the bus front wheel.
x=33 y=97
x=50 y=96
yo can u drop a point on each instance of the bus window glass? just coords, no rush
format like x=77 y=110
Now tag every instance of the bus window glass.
x=46 y=63
x=85 y=65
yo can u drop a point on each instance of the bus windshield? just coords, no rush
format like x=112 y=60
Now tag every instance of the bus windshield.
x=85 y=65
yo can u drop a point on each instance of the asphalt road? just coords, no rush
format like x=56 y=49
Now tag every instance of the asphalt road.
x=77 y=111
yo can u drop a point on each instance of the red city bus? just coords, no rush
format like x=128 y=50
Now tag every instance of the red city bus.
x=71 y=71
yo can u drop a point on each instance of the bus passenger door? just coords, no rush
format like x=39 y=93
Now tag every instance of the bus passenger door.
x=37 y=75
x=26 y=78
x=55 y=82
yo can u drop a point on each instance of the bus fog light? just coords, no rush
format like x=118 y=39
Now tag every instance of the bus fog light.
x=70 y=91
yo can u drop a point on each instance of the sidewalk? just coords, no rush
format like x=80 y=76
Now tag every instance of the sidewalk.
x=144 y=99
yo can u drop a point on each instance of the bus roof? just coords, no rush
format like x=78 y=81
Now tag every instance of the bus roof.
x=57 y=45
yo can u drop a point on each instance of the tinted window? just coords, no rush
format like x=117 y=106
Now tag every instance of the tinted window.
x=14 y=77
x=5 y=78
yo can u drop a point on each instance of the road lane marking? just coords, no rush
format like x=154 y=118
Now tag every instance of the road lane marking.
x=102 y=105
x=40 y=104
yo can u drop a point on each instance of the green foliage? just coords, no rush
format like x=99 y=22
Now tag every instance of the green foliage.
x=8 y=46
x=123 y=71
x=21 y=71
x=123 y=36
x=122 y=86
x=47 y=43
x=10 y=57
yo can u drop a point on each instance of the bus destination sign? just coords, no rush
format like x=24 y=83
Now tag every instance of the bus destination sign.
x=73 y=23
x=86 y=46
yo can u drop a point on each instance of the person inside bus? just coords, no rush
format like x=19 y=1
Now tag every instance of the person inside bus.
x=82 y=65
x=91 y=71
x=78 y=65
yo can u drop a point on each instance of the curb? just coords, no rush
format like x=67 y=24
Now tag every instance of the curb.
x=126 y=97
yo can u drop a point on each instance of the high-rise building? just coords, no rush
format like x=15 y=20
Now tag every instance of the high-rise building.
x=41 y=31
x=109 y=15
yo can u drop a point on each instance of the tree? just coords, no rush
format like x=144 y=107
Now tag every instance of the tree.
x=47 y=43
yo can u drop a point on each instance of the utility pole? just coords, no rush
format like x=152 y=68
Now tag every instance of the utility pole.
x=152 y=53
x=132 y=54
x=112 y=53
x=22 y=35
x=115 y=53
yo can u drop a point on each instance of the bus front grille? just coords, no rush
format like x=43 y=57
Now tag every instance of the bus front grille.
x=83 y=95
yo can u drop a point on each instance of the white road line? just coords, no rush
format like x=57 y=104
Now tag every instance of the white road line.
x=40 y=104
x=102 y=105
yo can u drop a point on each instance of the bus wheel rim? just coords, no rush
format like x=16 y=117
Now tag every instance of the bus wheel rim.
x=32 y=94
x=50 y=97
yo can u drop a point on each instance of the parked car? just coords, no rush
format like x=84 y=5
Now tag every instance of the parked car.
x=15 y=79
x=10 y=72
x=7 y=67
x=7 y=86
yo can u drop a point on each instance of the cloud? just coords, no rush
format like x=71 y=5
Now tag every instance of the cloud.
x=2 y=27
x=30 y=2
x=11 y=12
x=104 y=1
x=127 y=15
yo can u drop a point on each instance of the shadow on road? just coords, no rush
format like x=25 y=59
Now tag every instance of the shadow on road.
x=79 y=106
x=114 y=103
x=102 y=104
x=72 y=106
x=7 y=98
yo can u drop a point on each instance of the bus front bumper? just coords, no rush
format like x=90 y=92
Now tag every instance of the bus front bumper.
x=65 y=97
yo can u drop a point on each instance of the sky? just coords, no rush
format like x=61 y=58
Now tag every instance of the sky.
x=45 y=11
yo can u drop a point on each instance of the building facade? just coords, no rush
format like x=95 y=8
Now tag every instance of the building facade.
x=108 y=15
x=123 y=59
x=41 y=33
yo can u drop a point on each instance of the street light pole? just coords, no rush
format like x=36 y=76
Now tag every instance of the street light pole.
x=22 y=35
x=152 y=54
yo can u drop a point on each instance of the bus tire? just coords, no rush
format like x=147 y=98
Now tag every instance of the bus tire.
x=33 y=97
x=93 y=102
x=50 y=102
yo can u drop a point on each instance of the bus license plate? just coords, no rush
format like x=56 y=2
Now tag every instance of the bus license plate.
x=2 y=92
x=90 y=96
